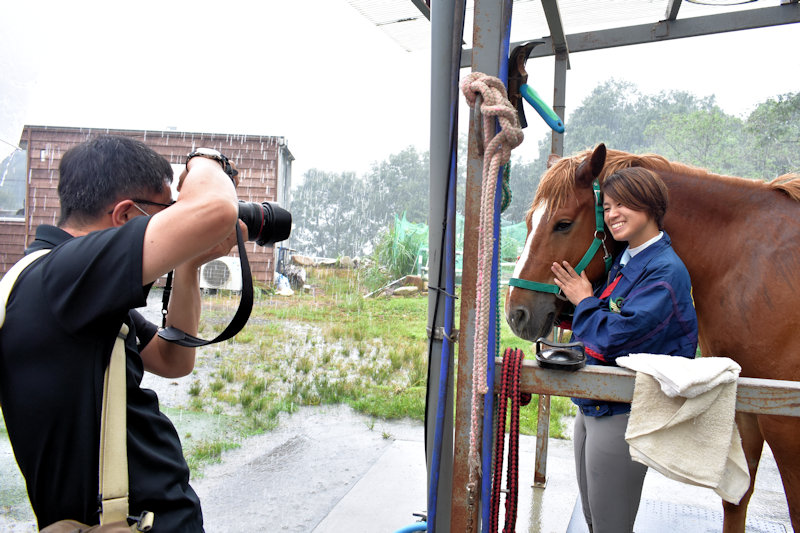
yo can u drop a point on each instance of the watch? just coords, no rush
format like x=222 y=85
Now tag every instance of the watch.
x=210 y=153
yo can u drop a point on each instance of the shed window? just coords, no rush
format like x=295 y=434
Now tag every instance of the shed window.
x=12 y=185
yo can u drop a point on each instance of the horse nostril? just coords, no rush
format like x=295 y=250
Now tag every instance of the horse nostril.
x=519 y=317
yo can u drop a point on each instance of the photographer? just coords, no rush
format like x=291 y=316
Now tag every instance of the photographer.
x=117 y=234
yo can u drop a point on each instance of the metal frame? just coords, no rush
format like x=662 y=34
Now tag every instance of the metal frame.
x=663 y=30
x=615 y=384
x=612 y=383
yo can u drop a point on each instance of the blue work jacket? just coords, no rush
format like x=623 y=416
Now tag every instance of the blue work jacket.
x=645 y=307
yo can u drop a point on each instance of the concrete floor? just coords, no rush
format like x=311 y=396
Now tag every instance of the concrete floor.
x=384 y=499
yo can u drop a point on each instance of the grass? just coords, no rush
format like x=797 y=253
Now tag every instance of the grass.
x=328 y=346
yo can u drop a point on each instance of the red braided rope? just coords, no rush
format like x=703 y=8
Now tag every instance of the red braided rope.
x=509 y=390
x=500 y=436
x=512 y=478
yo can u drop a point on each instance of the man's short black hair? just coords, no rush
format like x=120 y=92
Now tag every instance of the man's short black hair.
x=106 y=169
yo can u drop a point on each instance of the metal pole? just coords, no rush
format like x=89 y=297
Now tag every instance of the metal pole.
x=447 y=21
x=488 y=32
x=559 y=100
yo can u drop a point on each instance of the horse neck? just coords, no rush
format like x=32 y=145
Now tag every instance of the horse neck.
x=703 y=215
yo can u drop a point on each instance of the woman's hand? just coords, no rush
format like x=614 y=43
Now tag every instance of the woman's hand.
x=574 y=286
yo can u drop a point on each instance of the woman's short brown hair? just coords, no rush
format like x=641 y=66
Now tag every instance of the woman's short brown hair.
x=639 y=189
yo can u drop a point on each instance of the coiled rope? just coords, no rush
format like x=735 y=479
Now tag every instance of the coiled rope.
x=496 y=152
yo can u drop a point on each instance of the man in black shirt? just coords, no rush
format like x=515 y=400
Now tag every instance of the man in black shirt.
x=118 y=232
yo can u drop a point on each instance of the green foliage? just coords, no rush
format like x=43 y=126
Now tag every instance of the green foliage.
x=328 y=212
x=617 y=114
x=706 y=138
x=691 y=130
x=523 y=182
x=206 y=452
x=340 y=214
x=384 y=403
x=773 y=130
x=399 y=247
x=399 y=184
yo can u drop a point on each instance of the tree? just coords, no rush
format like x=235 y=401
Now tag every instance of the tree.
x=773 y=130
x=328 y=213
x=616 y=114
x=709 y=139
x=340 y=214
x=523 y=182
x=398 y=185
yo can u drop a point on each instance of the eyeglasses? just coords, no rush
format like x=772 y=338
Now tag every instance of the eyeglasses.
x=148 y=202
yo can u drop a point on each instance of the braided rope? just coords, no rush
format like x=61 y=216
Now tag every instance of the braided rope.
x=512 y=363
x=502 y=404
x=512 y=478
x=497 y=151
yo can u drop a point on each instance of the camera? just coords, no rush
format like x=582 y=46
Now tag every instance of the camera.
x=267 y=222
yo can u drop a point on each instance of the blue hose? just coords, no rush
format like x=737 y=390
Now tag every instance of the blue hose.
x=419 y=526
x=444 y=369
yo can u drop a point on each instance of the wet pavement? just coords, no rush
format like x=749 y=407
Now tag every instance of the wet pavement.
x=331 y=470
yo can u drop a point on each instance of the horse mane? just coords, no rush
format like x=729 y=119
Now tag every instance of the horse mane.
x=558 y=182
x=788 y=184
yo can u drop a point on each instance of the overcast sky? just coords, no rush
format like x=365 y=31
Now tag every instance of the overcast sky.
x=316 y=72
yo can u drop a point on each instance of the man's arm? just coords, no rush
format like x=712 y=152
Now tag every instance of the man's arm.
x=168 y=359
x=201 y=219
x=198 y=228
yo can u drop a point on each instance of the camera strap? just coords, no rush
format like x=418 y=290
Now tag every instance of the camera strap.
x=182 y=338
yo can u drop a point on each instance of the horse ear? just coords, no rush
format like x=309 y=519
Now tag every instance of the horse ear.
x=591 y=167
x=598 y=159
x=551 y=159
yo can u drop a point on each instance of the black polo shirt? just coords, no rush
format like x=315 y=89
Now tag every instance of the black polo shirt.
x=61 y=322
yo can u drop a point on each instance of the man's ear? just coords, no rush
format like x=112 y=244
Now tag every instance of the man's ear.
x=122 y=212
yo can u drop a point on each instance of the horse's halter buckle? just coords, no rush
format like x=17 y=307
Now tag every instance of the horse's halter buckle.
x=598 y=242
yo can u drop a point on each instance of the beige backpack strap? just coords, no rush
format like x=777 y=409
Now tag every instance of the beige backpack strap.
x=7 y=283
x=113 y=437
x=114 y=443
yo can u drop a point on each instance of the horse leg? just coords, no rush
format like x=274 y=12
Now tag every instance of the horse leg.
x=783 y=436
x=752 y=444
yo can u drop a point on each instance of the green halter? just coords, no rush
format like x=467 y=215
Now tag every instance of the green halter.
x=599 y=235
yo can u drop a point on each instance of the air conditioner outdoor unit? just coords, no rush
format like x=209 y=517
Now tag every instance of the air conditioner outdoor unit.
x=223 y=273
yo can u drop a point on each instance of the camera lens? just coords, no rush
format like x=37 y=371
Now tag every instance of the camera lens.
x=267 y=223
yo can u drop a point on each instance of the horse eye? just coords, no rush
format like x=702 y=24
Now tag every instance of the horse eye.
x=562 y=225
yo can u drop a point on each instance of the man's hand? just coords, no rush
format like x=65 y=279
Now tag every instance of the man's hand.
x=575 y=287
x=235 y=177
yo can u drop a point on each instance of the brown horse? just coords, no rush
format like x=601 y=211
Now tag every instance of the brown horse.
x=739 y=239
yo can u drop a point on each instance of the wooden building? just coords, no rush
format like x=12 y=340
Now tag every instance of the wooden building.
x=264 y=164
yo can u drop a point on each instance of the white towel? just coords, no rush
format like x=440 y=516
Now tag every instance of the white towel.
x=681 y=376
x=682 y=421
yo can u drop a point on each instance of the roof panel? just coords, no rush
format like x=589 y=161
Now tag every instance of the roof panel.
x=404 y=23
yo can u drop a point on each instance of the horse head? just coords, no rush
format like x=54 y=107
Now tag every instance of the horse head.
x=562 y=225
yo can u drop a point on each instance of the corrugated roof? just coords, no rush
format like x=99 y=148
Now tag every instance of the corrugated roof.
x=408 y=25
